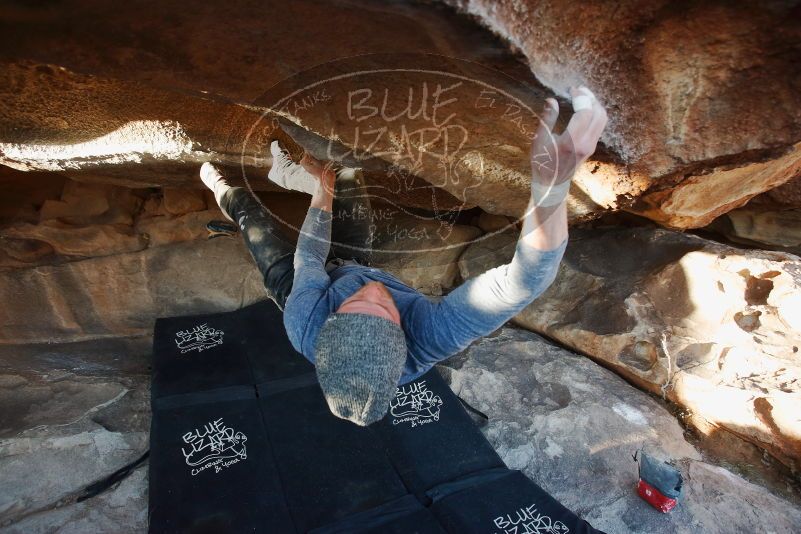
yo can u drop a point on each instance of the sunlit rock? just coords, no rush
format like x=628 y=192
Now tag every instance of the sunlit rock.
x=711 y=327
x=762 y=227
x=703 y=121
x=573 y=426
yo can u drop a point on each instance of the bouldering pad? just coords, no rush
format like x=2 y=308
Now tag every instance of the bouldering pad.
x=242 y=441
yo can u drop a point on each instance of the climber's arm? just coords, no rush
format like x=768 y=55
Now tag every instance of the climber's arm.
x=310 y=280
x=314 y=240
x=484 y=303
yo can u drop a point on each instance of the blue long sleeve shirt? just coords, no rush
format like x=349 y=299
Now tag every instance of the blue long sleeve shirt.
x=434 y=330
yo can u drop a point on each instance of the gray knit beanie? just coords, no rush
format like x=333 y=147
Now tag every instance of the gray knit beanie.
x=359 y=360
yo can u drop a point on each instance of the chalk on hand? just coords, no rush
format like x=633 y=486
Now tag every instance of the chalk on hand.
x=584 y=100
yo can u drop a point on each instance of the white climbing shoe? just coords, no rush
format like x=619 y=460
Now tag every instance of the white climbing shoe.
x=212 y=178
x=210 y=175
x=288 y=174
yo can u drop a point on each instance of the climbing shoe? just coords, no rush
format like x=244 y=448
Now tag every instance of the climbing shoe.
x=220 y=228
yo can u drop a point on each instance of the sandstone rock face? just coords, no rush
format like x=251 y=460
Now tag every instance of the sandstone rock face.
x=485 y=253
x=182 y=201
x=703 y=120
x=166 y=230
x=688 y=138
x=780 y=229
x=122 y=295
x=573 y=426
x=61 y=432
x=81 y=203
x=421 y=252
x=786 y=195
x=65 y=220
x=107 y=130
x=698 y=200
x=121 y=105
x=97 y=240
x=702 y=102
x=95 y=265
x=493 y=223
x=713 y=328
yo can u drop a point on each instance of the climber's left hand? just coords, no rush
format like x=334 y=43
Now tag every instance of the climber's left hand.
x=324 y=171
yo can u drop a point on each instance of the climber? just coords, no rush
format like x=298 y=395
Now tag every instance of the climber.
x=365 y=330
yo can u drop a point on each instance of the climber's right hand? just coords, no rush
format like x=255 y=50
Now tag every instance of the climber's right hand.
x=555 y=157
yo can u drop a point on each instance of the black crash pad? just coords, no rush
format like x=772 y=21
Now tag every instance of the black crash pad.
x=430 y=438
x=242 y=441
x=403 y=516
x=211 y=467
x=198 y=353
x=330 y=468
x=502 y=502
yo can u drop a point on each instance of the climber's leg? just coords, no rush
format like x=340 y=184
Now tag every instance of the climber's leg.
x=270 y=248
x=350 y=232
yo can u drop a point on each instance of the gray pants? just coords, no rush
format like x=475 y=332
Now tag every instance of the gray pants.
x=273 y=251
